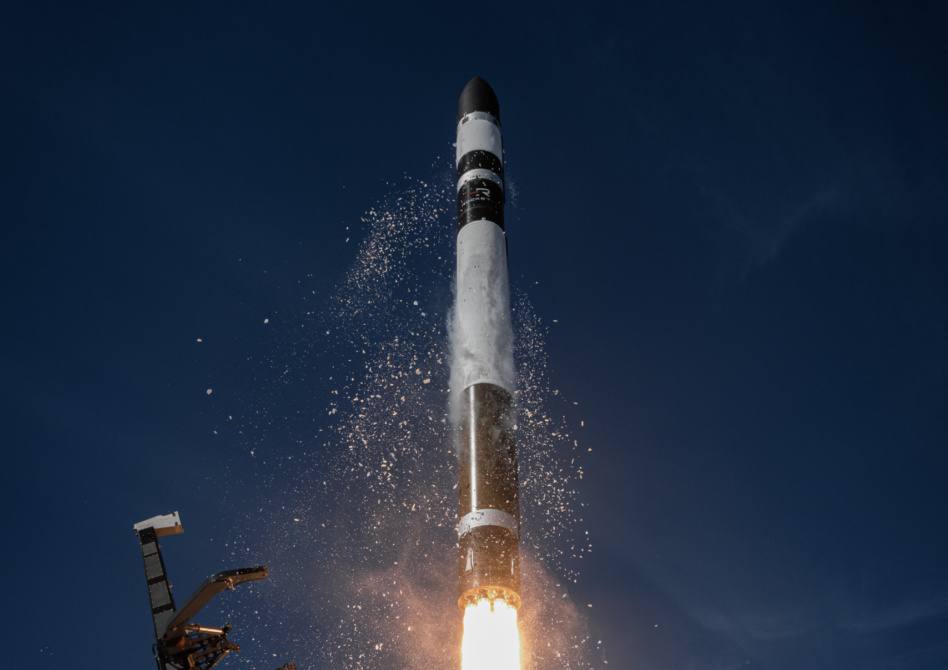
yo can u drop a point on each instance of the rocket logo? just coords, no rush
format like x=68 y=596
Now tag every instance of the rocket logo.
x=480 y=191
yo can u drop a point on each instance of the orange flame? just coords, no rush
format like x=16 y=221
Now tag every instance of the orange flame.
x=491 y=638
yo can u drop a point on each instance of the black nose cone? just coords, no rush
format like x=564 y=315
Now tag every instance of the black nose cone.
x=478 y=96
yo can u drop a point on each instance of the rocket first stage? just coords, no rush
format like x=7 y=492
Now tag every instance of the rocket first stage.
x=489 y=509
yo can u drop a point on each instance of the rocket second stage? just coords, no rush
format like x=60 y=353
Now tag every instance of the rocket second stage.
x=489 y=509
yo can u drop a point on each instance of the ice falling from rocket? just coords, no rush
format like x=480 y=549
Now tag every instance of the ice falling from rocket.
x=485 y=383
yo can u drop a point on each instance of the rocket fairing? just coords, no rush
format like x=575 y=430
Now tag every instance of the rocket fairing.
x=489 y=495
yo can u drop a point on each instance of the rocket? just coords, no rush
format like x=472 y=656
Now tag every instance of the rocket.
x=484 y=372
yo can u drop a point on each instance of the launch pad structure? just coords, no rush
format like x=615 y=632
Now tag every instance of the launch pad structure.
x=180 y=642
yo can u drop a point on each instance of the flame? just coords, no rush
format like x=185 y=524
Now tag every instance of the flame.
x=491 y=639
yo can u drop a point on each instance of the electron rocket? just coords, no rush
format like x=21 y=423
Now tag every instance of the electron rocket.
x=485 y=376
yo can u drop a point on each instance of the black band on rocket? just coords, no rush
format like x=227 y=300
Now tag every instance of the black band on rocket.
x=488 y=556
x=480 y=199
x=479 y=158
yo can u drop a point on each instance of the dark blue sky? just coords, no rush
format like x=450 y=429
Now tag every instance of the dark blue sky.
x=729 y=216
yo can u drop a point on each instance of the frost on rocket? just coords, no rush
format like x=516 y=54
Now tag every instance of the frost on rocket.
x=481 y=333
x=354 y=478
